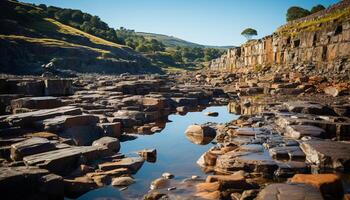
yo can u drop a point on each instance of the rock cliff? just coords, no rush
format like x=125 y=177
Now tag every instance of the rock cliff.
x=320 y=42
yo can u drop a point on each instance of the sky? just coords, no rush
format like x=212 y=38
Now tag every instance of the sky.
x=207 y=22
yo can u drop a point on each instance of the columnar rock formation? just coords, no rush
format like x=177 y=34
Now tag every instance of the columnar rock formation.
x=320 y=40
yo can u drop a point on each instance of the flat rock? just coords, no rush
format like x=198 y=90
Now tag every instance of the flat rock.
x=308 y=108
x=299 y=131
x=65 y=160
x=284 y=191
x=327 y=154
x=30 y=146
x=330 y=185
x=131 y=163
x=36 y=103
x=29 y=118
x=287 y=152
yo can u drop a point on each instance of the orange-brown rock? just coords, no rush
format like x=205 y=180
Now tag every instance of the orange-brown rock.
x=208 y=187
x=330 y=185
x=209 y=195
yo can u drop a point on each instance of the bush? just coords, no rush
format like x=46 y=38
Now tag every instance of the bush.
x=295 y=12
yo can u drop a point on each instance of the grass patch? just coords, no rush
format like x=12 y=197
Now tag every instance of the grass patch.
x=51 y=43
x=337 y=16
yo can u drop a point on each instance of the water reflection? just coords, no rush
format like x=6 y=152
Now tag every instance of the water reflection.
x=246 y=106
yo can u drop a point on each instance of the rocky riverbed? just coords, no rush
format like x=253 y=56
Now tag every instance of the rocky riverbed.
x=64 y=137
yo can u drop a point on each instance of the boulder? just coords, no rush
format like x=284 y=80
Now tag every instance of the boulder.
x=200 y=134
x=111 y=129
x=30 y=146
x=149 y=155
x=160 y=183
x=285 y=191
x=327 y=154
x=122 y=181
x=330 y=185
x=182 y=109
x=112 y=144
x=212 y=114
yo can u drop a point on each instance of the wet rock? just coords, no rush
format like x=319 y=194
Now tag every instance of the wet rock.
x=112 y=144
x=208 y=187
x=168 y=175
x=330 y=185
x=78 y=186
x=182 y=109
x=247 y=161
x=283 y=191
x=131 y=163
x=212 y=114
x=154 y=195
x=160 y=183
x=102 y=178
x=64 y=161
x=200 y=134
x=299 y=131
x=122 y=181
x=327 y=154
x=29 y=147
x=209 y=195
x=149 y=155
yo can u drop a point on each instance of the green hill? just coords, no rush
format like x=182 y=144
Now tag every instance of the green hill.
x=29 y=37
x=171 y=41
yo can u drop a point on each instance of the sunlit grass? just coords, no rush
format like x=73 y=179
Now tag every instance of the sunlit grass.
x=51 y=42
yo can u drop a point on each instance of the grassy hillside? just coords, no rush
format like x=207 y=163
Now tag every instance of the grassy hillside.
x=29 y=39
x=171 y=41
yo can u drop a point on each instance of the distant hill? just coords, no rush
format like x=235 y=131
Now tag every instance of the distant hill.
x=171 y=41
x=30 y=38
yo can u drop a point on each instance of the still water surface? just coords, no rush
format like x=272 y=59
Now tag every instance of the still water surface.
x=175 y=154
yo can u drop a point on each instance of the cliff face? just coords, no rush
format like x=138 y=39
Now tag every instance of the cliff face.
x=321 y=40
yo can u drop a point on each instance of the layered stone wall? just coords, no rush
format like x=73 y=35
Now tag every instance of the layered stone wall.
x=315 y=40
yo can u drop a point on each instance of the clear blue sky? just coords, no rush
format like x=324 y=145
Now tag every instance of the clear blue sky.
x=209 y=22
